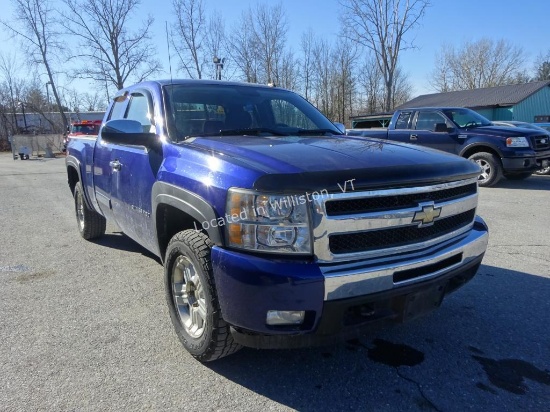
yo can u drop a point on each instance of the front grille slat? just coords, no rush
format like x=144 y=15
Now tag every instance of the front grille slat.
x=395 y=237
x=395 y=202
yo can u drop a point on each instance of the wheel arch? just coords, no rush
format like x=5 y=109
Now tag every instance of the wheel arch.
x=176 y=209
x=478 y=148
x=74 y=176
x=73 y=172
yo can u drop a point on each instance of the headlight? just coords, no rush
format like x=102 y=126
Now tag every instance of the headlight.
x=267 y=223
x=519 y=141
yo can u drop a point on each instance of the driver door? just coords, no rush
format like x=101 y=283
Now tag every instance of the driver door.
x=424 y=132
x=134 y=170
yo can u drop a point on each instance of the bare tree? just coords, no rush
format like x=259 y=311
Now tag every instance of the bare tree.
x=478 y=64
x=93 y=102
x=243 y=49
x=216 y=44
x=441 y=77
x=403 y=88
x=33 y=22
x=73 y=100
x=11 y=92
x=542 y=66
x=323 y=78
x=382 y=26
x=371 y=81
x=289 y=71
x=110 y=53
x=189 y=36
x=307 y=44
x=344 y=55
x=270 y=29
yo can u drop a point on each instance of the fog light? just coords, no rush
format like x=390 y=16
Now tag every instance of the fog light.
x=285 y=317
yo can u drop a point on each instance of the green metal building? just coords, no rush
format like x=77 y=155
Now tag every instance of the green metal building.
x=523 y=102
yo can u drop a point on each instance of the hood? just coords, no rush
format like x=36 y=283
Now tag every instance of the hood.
x=293 y=163
x=501 y=131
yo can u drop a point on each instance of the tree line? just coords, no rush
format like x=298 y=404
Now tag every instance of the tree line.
x=358 y=71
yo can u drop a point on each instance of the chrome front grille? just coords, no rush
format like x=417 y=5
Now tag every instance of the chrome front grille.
x=396 y=201
x=542 y=142
x=357 y=224
x=399 y=236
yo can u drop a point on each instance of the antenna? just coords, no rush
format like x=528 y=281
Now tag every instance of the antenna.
x=168 y=44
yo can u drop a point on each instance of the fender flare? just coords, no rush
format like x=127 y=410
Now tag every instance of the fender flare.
x=481 y=145
x=73 y=162
x=188 y=202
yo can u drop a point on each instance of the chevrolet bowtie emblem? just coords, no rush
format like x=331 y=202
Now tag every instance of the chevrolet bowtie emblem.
x=427 y=215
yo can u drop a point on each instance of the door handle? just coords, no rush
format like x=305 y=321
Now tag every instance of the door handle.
x=414 y=137
x=115 y=165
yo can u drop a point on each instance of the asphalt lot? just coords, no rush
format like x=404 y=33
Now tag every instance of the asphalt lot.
x=84 y=325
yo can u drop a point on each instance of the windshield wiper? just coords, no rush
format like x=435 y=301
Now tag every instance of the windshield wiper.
x=256 y=131
x=303 y=132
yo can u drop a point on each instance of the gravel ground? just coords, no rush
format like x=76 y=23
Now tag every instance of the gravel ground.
x=84 y=325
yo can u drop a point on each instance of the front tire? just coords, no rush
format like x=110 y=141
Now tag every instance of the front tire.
x=90 y=223
x=491 y=169
x=192 y=299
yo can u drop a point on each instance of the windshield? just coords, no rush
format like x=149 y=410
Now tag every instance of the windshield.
x=466 y=118
x=221 y=110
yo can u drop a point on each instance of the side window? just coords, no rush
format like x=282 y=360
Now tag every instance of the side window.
x=428 y=120
x=403 y=120
x=119 y=108
x=140 y=111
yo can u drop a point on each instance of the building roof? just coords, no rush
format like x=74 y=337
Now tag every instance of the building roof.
x=488 y=97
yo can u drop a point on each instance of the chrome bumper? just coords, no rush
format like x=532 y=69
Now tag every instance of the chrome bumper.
x=375 y=275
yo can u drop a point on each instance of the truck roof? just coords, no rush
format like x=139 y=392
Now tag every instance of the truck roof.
x=167 y=82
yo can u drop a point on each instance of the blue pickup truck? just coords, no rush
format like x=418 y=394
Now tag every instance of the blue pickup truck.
x=515 y=153
x=274 y=229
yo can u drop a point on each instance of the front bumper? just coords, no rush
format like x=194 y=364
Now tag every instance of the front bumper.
x=526 y=163
x=340 y=300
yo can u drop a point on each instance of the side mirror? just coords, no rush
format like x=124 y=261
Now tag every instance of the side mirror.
x=341 y=127
x=127 y=132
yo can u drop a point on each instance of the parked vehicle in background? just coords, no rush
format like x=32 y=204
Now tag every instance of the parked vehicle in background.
x=541 y=127
x=517 y=123
x=82 y=128
x=274 y=228
x=545 y=126
x=500 y=151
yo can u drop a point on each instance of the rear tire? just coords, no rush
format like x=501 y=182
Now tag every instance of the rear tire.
x=491 y=169
x=192 y=299
x=90 y=223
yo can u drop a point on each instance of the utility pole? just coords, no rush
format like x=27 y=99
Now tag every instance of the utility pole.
x=48 y=94
x=219 y=66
